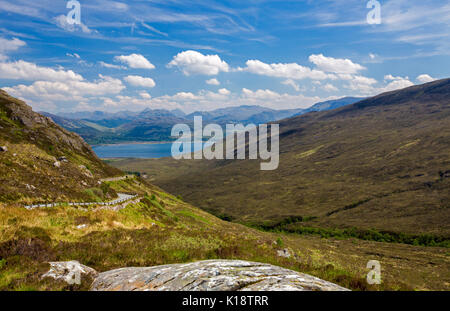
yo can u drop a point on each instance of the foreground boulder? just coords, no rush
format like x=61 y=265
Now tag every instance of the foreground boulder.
x=71 y=272
x=210 y=275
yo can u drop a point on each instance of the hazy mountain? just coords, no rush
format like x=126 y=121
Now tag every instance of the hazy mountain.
x=332 y=104
x=150 y=125
x=156 y=124
x=380 y=163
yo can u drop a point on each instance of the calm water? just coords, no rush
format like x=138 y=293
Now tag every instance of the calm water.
x=135 y=150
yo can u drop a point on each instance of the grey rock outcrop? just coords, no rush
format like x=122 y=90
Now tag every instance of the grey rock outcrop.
x=71 y=272
x=211 y=275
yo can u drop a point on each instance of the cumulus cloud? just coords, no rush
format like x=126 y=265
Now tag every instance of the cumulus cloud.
x=213 y=81
x=136 y=61
x=145 y=95
x=106 y=65
x=29 y=71
x=140 y=81
x=61 y=22
x=192 y=62
x=393 y=78
x=329 y=88
x=260 y=94
x=288 y=71
x=224 y=92
x=396 y=85
x=424 y=78
x=291 y=83
x=335 y=65
x=7 y=46
x=69 y=90
x=368 y=86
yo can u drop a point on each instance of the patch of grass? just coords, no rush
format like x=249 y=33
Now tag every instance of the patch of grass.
x=193 y=215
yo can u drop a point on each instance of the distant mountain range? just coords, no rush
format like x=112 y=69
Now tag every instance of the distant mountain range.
x=99 y=127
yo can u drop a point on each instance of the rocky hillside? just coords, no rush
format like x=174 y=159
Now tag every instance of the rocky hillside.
x=40 y=161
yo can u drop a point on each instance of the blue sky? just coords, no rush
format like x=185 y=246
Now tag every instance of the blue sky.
x=203 y=55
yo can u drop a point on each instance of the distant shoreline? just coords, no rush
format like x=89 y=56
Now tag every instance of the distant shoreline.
x=135 y=143
x=139 y=143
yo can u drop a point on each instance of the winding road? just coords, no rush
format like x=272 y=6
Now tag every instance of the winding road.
x=122 y=198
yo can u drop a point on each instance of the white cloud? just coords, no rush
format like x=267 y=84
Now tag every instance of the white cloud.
x=193 y=62
x=367 y=86
x=224 y=92
x=29 y=71
x=145 y=95
x=74 y=55
x=287 y=71
x=292 y=83
x=136 y=61
x=140 y=81
x=424 y=78
x=213 y=81
x=329 y=88
x=260 y=94
x=396 y=85
x=335 y=65
x=7 y=46
x=61 y=22
x=183 y=96
x=106 y=65
x=69 y=90
x=393 y=78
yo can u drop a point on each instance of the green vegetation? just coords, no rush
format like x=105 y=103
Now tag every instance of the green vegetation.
x=381 y=164
x=369 y=235
x=29 y=173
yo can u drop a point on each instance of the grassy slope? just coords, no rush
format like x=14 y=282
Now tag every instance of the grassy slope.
x=34 y=144
x=163 y=229
x=382 y=163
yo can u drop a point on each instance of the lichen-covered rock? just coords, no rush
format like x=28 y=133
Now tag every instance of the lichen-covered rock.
x=71 y=272
x=210 y=275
